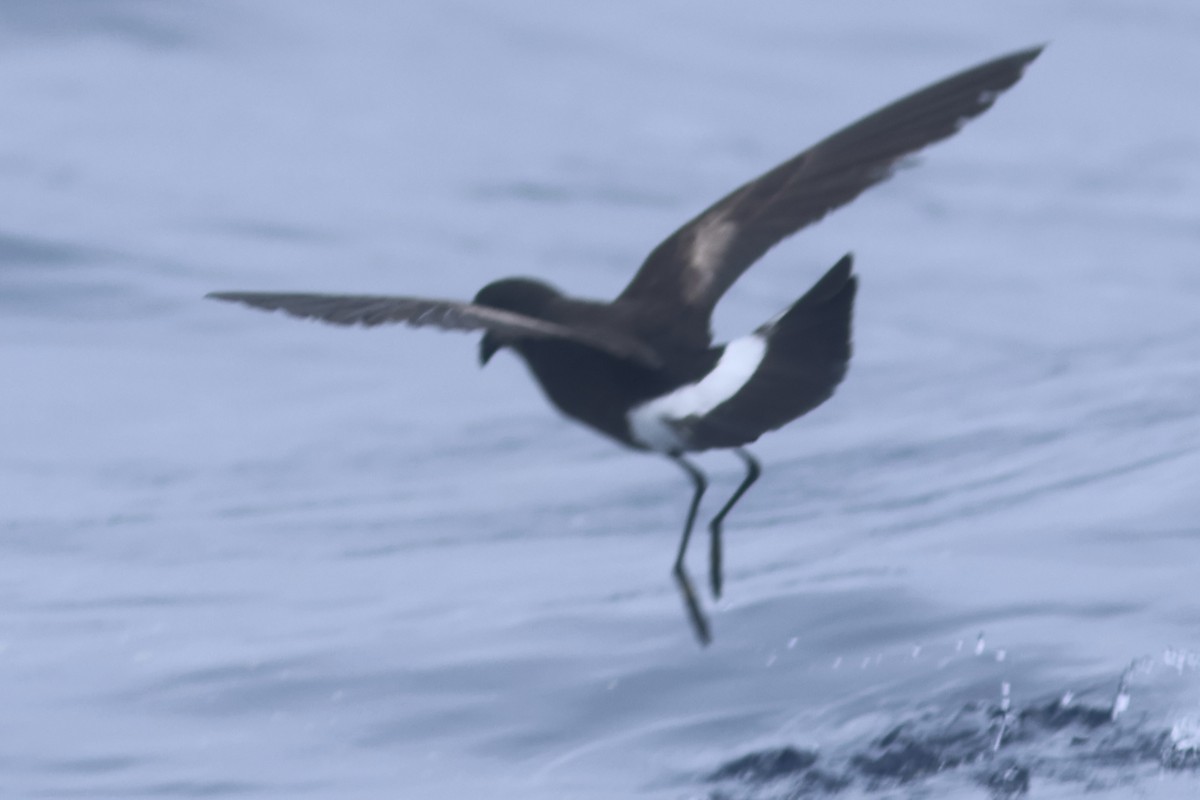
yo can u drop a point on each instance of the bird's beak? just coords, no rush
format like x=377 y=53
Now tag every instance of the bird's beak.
x=488 y=346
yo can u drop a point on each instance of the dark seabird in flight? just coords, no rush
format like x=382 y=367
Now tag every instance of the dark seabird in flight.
x=642 y=369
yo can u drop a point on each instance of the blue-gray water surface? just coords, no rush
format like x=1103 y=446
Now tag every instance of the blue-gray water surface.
x=245 y=556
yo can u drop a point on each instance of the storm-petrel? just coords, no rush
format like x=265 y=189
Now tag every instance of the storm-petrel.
x=642 y=369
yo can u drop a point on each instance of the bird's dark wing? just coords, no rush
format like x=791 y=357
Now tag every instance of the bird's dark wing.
x=371 y=310
x=683 y=277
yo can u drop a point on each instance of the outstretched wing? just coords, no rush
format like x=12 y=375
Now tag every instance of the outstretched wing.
x=372 y=310
x=683 y=277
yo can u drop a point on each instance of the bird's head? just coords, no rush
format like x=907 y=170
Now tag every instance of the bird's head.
x=524 y=296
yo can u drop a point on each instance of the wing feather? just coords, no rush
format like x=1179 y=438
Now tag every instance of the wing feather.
x=419 y=312
x=685 y=276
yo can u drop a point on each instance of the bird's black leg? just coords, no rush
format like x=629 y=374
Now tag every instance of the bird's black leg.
x=753 y=470
x=695 y=615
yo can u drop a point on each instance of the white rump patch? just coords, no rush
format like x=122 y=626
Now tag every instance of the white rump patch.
x=655 y=422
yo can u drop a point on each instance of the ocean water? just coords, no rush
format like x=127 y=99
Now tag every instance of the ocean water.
x=245 y=556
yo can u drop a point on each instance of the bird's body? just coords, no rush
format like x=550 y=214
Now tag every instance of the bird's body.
x=642 y=369
x=698 y=396
x=600 y=390
x=589 y=385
